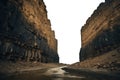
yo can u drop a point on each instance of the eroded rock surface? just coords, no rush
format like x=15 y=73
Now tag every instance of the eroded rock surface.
x=25 y=32
x=101 y=33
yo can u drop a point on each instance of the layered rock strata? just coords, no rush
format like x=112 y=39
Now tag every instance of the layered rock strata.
x=101 y=33
x=25 y=32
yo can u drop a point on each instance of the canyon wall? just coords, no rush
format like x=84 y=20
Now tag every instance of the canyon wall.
x=101 y=33
x=25 y=32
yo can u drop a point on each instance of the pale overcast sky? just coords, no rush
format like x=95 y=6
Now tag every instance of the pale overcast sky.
x=67 y=17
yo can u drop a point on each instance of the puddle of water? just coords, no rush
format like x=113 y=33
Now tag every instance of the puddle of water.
x=60 y=73
x=58 y=79
x=71 y=76
x=55 y=71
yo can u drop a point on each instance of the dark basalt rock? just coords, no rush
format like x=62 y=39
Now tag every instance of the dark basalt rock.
x=25 y=32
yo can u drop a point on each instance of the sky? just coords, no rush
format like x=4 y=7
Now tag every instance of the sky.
x=67 y=17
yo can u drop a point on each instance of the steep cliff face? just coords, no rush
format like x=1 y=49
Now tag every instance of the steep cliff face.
x=101 y=33
x=25 y=32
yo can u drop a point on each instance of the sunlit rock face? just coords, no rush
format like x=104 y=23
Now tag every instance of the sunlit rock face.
x=101 y=33
x=25 y=32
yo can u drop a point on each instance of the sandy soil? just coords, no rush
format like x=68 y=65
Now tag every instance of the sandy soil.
x=107 y=62
x=92 y=74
